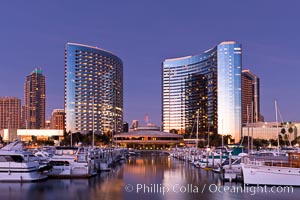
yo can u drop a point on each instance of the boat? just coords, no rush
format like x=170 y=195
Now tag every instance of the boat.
x=15 y=167
x=201 y=163
x=104 y=167
x=273 y=172
x=232 y=170
x=215 y=158
x=72 y=163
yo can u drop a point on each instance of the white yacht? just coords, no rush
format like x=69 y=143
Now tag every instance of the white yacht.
x=15 y=167
x=72 y=163
x=283 y=173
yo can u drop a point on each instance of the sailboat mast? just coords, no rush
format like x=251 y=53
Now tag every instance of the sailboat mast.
x=252 y=117
x=222 y=135
x=197 y=128
x=248 y=129
x=93 y=121
x=277 y=123
x=208 y=129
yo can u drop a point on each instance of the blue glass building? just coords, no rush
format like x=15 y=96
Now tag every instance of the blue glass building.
x=93 y=90
x=209 y=83
x=229 y=89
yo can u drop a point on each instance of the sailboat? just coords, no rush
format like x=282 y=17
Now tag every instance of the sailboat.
x=280 y=172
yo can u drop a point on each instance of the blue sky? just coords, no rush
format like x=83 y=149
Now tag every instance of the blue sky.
x=143 y=34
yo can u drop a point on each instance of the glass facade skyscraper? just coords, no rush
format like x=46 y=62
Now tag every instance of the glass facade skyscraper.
x=229 y=89
x=210 y=84
x=93 y=90
x=189 y=86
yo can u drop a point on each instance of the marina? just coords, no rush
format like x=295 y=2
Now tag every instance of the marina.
x=155 y=172
x=21 y=165
x=257 y=168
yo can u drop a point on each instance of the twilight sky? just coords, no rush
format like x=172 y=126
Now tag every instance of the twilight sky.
x=145 y=32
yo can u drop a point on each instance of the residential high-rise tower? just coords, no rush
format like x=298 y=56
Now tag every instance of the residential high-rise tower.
x=35 y=100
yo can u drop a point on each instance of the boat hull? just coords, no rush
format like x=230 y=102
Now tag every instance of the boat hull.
x=20 y=172
x=18 y=176
x=73 y=171
x=270 y=175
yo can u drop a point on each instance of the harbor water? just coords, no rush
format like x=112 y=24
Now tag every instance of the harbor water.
x=146 y=177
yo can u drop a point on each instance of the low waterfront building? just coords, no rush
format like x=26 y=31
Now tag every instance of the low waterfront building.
x=9 y=135
x=149 y=137
x=269 y=130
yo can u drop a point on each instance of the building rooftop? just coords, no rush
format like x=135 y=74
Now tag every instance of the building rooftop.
x=228 y=42
x=148 y=133
x=37 y=71
x=93 y=47
x=180 y=58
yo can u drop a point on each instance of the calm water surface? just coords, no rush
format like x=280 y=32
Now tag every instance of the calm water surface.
x=144 y=177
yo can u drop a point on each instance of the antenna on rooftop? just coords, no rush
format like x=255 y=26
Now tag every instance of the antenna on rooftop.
x=147 y=120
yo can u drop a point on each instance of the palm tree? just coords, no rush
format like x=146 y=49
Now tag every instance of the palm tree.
x=284 y=136
x=290 y=131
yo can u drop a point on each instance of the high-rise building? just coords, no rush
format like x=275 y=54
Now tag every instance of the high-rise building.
x=125 y=127
x=205 y=86
x=93 y=90
x=134 y=124
x=47 y=124
x=57 y=120
x=35 y=100
x=250 y=97
x=23 y=118
x=10 y=113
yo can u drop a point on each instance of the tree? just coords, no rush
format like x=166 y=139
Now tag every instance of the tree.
x=273 y=142
x=296 y=141
x=290 y=131
x=67 y=139
x=174 y=131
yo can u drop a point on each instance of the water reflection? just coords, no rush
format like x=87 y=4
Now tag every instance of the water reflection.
x=145 y=177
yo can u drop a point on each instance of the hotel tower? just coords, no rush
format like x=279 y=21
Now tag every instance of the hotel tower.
x=205 y=86
x=93 y=90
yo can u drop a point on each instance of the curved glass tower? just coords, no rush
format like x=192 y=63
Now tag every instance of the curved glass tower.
x=208 y=84
x=188 y=87
x=229 y=89
x=93 y=90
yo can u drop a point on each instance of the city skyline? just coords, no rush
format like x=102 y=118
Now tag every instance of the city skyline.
x=34 y=36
